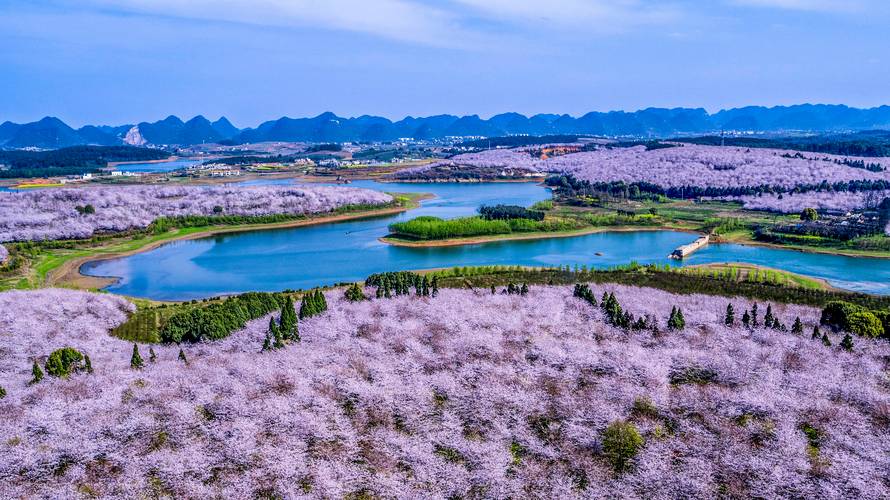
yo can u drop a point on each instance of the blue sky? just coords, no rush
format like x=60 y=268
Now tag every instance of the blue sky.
x=122 y=61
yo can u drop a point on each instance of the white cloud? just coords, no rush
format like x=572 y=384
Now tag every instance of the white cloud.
x=401 y=20
x=808 y=5
x=593 y=16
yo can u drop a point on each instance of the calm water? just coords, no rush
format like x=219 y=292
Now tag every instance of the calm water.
x=167 y=166
x=349 y=251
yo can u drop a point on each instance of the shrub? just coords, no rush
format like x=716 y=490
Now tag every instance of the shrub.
x=63 y=361
x=355 y=294
x=865 y=324
x=809 y=214
x=836 y=314
x=884 y=316
x=136 y=362
x=36 y=373
x=621 y=443
x=2 y=392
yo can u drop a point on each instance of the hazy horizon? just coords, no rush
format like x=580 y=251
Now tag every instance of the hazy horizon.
x=213 y=118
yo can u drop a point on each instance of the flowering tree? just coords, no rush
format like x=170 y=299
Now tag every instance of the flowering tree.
x=517 y=395
x=50 y=214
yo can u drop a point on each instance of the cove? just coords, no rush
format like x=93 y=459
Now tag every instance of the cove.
x=305 y=257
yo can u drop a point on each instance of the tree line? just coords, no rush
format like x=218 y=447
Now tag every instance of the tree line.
x=76 y=160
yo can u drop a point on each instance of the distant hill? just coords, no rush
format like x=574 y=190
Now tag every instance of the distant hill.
x=74 y=160
x=328 y=127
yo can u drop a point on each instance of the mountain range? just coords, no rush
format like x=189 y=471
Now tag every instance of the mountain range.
x=51 y=133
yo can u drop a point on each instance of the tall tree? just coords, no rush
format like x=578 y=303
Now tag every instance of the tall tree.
x=136 y=362
x=729 y=320
x=36 y=373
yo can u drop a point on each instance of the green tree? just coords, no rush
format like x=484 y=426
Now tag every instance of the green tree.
x=2 y=392
x=621 y=443
x=87 y=364
x=816 y=333
x=182 y=356
x=825 y=340
x=36 y=373
x=809 y=214
x=847 y=342
x=136 y=362
x=797 y=327
x=434 y=286
x=730 y=315
x=746 y=319
x=524 y=289
x=152 y=357
x=754 y=321
x=865 y=324
x=768 y=318
x=676 y=321
x=355 y=293
x=288 y=329
x=62 y=362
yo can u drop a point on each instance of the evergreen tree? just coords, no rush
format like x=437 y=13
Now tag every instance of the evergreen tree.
x=36 y=373
x=676 y=321
x=182 y=356
x=768 y=318
x=378 y=294
x=816 y=333
x=797 y=327
x=152 y=357
x=754 y=321
x=434 y=286
x=493 y=290
x=307 y=304
x=288 y=328
x=425 y=286
x=847 y=342
x=730 y=315
x=267 y=343
x=2 y=392
x=276 y=334
x=322 y=302
x=387 y=292
x=87 y=364
x=746 y=319
x=136 y=362
x=524 y=289
x=825 y=340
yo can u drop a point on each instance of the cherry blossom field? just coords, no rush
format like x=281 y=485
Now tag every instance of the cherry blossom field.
x=689 y=165
x=49 y=214
x=711 y=166
x=466 y=394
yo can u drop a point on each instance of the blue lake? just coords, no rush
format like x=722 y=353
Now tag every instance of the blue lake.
x=166 y=166
x=305 y=257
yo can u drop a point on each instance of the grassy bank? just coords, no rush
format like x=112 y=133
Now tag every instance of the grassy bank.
x=727 y=222
x=781 y=287
x=58 y=263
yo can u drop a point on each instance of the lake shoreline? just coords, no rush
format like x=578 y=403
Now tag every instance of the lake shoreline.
x=69 y=273
x=478 y=240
